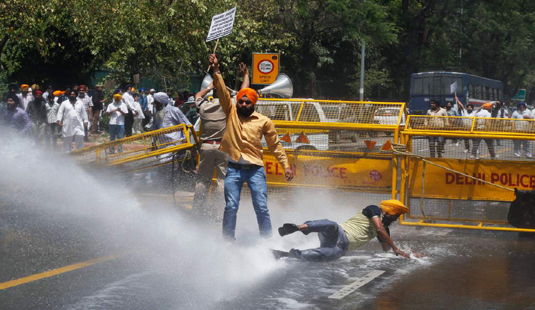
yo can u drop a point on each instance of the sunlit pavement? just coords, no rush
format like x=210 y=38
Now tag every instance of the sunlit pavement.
x=463 y=269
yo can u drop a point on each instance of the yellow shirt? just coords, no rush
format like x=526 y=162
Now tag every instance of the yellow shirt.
x=243 y=136
x=359 y=231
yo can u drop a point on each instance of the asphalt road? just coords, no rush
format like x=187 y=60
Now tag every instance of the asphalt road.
x=165 y=264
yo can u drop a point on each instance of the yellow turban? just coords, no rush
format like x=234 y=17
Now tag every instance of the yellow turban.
x=117 y=97
x=393 y=207
x=35 y=87
x=57 y=93
x=24 y=86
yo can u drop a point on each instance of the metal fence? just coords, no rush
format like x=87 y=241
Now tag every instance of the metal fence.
x=464 y=170
x=142 y=151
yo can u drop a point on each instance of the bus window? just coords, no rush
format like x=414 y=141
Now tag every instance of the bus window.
x=486 y=94
x=417 y=86
x=478 y=92
x=421 y=86
x=470 y=90
x=447 y=82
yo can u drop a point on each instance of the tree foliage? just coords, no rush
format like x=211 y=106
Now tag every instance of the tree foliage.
x=64 y=42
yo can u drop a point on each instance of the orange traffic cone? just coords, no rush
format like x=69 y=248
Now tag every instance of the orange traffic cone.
x=286 y=138
x=370 y=144
x=387 y=146
x=302 y=138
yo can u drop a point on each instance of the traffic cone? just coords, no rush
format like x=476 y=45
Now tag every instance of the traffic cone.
x=387 y=146
x=286 y=138
x=370 y=144
x=302 y=138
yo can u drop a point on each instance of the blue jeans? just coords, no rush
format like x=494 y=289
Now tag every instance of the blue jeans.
x=256 y=180
x=116 y=131
x=333 y=242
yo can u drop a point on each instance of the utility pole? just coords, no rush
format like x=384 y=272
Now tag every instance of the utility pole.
x=362 y=55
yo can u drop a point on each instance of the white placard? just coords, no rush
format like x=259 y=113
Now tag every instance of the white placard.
x=221 y=25
x=453 y=88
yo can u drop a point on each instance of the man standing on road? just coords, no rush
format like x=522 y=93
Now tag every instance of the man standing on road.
x=436 y=144
x=95 y=110
x=88 y=104
x=128 y=99
x=242 y=142
x=167 y=116
x=73 y=117
x=213 y=124
x=336 y=240
x=37 y=112
x=522 y=113
x=481 y=125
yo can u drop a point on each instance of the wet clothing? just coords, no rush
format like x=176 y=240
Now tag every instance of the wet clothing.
x=17 y=119
x=336 y=240
x=359 y=229
x=243 y=136
x=255 y=176
x=170 y=116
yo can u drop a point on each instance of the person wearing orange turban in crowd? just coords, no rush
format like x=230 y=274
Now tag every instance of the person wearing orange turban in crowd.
x=481 y=124
x=25 y=97
x=242 y=141
x=338 y=239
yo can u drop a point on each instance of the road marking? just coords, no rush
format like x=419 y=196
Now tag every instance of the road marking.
x=348 y=289
x=55 y=272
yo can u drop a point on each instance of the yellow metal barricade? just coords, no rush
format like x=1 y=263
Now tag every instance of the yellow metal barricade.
x=464 y=170
x=146 y=150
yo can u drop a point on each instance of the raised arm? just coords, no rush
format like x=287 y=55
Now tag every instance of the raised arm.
x=245 y=72
x=204 y=92
x=219 y=84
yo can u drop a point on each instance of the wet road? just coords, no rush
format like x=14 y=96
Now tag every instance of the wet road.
x=462 y=270
x=54 y=216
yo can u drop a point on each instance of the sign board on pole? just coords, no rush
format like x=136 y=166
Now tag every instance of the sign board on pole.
x=265 y=68
x=221 y=25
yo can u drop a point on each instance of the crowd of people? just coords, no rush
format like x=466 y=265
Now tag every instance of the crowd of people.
x=77 y=112
x=495 y=109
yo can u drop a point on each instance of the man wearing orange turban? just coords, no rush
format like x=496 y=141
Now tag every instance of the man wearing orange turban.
x=242 y=141
x=24 y=97
x=336 y=240
x=484 y=112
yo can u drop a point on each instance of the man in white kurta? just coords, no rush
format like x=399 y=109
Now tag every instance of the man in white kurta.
x=73 y=117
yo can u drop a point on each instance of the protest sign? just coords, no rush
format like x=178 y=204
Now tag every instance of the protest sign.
x=221 y=25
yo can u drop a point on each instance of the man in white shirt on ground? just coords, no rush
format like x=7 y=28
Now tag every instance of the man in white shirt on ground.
x=481 y=124
x=522 y=113
x=116 y=110
x=73 y=117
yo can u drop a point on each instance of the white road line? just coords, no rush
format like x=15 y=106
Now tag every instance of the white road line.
x=348 y=289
